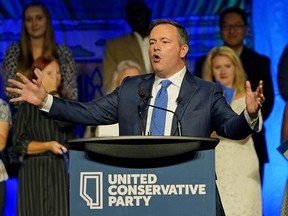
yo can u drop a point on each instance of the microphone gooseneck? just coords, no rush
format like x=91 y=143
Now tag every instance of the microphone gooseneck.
x=144 y=95
x=179 y=125
x=141 y=120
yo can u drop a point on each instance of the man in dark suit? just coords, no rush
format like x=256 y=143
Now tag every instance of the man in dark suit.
x=233 y=26
x=132 y=46
x=202 y=108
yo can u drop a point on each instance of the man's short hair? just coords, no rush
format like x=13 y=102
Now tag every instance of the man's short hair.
x=235 y=10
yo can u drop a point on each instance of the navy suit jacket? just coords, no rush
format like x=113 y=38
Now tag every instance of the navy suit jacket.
x=203 y=109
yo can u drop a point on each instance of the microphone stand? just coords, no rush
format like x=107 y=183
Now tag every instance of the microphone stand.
x=141 y=121
x=145 y=96
x=179 y=125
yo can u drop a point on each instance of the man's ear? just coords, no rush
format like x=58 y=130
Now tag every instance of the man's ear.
x=184 y=50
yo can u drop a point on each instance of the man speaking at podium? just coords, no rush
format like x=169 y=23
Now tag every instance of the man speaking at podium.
x=153 y=104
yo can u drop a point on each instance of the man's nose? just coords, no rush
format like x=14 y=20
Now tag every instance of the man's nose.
x=156 y=46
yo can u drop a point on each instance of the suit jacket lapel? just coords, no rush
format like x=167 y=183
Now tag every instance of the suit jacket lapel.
x=187 y=91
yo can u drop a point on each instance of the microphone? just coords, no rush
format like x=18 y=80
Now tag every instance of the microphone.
x=145 y=96
x=178 y=100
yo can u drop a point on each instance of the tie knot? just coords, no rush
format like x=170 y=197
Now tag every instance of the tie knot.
x=165 y=84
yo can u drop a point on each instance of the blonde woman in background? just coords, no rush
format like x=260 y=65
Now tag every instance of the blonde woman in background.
x=237 y=165
x=124 y=68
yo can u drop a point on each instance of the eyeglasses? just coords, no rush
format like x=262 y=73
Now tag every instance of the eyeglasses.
x=238 y=27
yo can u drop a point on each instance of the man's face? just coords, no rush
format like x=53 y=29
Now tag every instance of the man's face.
x=167 y=56
x=233 y=30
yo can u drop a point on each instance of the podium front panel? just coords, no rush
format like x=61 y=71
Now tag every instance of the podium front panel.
x=181 y=188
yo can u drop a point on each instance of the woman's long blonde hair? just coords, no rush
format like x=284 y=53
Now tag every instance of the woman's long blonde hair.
x=240 y=76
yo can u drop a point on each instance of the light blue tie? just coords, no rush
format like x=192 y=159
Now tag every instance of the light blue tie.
x=158 y=119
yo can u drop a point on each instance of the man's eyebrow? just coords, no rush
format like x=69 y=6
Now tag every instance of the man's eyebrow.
x=162 y=38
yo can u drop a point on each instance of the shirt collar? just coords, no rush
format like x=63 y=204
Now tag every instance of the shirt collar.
x=176 y=79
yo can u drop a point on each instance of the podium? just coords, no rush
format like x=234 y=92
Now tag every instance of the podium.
x=142 y=175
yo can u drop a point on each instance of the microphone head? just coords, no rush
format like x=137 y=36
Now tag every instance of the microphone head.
x=143 y=93
x=178 y=99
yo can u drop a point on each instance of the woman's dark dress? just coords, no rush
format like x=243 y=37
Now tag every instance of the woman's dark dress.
x=43 y=178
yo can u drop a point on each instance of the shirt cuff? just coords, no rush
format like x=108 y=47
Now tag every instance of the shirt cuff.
x=251 y=121
x=47 y=106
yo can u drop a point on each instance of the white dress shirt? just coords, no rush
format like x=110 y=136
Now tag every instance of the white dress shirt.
x=173 y=93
